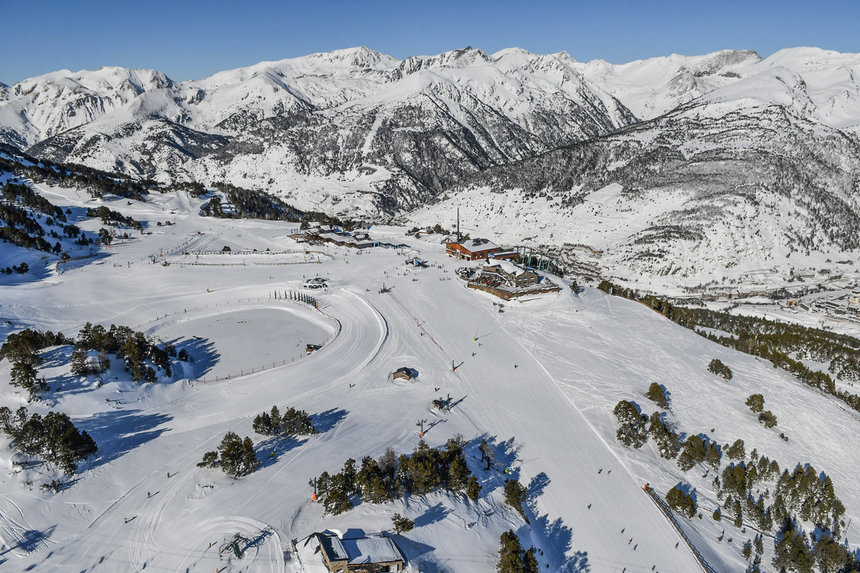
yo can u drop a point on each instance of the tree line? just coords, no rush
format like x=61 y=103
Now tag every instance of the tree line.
x=96 y=182
x=52 y=437
x=423 y=471
x=111 y=217
x=775 y=341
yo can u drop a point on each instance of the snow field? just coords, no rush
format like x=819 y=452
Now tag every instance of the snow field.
x=541 y=386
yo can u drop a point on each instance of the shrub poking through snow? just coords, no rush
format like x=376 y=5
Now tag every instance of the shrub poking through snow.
x=720 y=369
x=767 y=418
x=755 y=402
x=657 y=394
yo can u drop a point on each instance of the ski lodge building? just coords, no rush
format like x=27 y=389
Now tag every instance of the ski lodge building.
x=509 y=273
x=475 y=249
x=326 y=552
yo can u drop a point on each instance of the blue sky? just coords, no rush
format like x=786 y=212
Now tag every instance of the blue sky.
x=190 y=39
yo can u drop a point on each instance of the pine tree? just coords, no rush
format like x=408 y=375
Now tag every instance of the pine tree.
x=510 y=553
x=693 y=452
x=657 y=394
x=667 y=441
x=458 y=473
x=736 y=450
x=79 y=362
x=792 y=552
x=717 y=367
x=336 y=501
x=262 y=424
x=758 y=541
x=679 y=500
x=473 y=488
x=53 y=437
x=401 y=523
x=24 y=375
x=103 y=361
x=512 y=558
x=833 y=557
x=237 y=456
x=530 y=564
x=515 y=495
x=632 y=431
x=250 y=461
x=767 y=418
x=210 y=459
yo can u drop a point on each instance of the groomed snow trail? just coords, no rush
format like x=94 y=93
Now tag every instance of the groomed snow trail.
x=539 y=382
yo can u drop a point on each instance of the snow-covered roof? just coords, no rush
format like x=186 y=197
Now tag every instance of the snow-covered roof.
x=372 y=549
x=478 y=245
x=333 y=547
x=507 y=266
x=309 y=553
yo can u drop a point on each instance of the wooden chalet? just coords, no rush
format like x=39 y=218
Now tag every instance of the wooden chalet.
x=510 y=274
x=370 y=554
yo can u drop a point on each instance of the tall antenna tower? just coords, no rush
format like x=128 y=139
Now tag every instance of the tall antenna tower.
x=458 y=225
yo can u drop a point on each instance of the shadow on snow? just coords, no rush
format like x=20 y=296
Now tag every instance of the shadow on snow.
x=119 y=431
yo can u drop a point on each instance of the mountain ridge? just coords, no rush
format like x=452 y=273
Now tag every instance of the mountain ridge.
x=358 y=133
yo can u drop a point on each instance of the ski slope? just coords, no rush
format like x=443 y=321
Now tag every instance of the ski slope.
x=538 y=381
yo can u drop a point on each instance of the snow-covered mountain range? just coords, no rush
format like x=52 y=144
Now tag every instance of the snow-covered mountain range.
x=719 y=160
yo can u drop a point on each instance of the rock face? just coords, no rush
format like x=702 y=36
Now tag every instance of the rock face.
x=686 y=170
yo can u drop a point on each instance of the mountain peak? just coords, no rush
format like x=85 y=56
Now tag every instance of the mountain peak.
x=359 y=57
x=460 y=58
